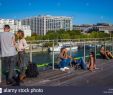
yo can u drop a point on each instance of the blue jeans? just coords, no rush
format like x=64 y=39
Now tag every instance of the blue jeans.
x=8 y=66
x=64 y=63
x=82 y=63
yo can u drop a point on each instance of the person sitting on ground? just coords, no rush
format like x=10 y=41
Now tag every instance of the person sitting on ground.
x=103 y=53
x=79 y=61
x=92 y=64
x=109 y=54
x=65 y=59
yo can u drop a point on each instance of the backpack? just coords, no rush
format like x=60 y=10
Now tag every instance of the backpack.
x=32 y=70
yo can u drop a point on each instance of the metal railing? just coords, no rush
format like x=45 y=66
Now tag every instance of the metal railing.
x=93 y=44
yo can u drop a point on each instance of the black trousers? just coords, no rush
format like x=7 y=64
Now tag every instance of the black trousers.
x=21 y=62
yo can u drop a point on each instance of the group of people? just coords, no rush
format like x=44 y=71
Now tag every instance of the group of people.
x=12 y=52
x=67 y=60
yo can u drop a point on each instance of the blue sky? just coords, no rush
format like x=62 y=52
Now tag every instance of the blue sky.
x=82 y=11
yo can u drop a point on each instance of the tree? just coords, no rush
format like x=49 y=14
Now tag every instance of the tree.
x=62 y=34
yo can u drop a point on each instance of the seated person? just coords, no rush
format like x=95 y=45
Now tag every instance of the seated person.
x=109 y=54
x=80 y=62
x=103 y=53
x=92 y=64
x=65 y=59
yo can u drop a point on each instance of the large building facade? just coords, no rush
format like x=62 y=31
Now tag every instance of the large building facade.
x=15 y=26
x=102 y=27
x=42 y=24
x=81 y=27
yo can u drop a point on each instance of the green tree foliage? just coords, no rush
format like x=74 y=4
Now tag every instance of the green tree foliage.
x=62 y=34
x=98 y=35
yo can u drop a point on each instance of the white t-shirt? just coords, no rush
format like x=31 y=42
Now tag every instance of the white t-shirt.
x=7 y=44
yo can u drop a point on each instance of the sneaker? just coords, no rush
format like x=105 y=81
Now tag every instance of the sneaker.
x=66 y=68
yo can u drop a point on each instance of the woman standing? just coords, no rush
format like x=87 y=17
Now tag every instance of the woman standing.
x=21 y=45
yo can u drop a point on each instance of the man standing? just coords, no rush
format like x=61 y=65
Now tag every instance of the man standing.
x=8 y=55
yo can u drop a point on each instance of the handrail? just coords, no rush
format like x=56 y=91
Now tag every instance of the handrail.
x=70 y=39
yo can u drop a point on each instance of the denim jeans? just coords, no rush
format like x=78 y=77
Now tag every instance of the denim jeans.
x=64 y=63
x=8 y=66
x=82 y=63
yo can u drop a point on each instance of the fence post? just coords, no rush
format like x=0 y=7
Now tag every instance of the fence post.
x=30 y=52
x=84 y=52
x=53 y=55
x=105 y=43
x=95 y=49
x=70 y=49
x=43 y=45
x=112 y=45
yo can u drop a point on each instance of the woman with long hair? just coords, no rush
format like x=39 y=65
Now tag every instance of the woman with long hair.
x=65 y=60
x=92 y=64
x=103 y=52
x=109 y=54
x=21 y=45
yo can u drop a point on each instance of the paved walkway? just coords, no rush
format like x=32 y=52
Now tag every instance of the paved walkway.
x=100 y=77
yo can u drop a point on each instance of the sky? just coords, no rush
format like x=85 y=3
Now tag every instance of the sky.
x=82 y=11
